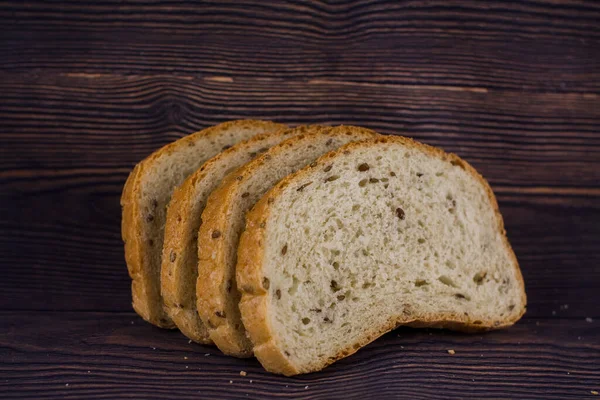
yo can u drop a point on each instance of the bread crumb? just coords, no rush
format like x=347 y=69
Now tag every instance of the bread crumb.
x=230 y=381
x=184 y=357
x=243 y=373
x=451 y=352
x=553 y=312
x=588 y=319
x=186 y=367
x=190 y=341
x=66 y=384
x=250 y=380
x=154 y=348
x=594 y=392
x=207 y=354
x=306 y=387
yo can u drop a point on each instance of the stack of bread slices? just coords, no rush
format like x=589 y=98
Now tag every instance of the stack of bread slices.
x=301 y=245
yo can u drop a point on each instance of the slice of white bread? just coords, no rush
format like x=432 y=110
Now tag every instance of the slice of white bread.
x=146 y=195
x=377 y=234
x=223 y=222
x=179 y=269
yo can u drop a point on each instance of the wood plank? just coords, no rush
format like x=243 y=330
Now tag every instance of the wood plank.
x=104 y=355
x=537 y=46
x=66 y=245
x=60 y=131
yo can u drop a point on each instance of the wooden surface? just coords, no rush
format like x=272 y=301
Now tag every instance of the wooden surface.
x=87 y=89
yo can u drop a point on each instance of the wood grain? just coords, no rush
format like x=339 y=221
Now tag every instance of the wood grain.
x=103 y=125
x=88 y=89
x=542 y=45
x=107 y=355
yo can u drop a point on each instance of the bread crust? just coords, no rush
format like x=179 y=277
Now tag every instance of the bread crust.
x=211 y=289
x=144 y=292
x=254 y=304
x=181 y=244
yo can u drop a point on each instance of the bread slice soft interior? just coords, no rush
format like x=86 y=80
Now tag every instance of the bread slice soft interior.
x=376 y=234
x=179 y=269
x=223 y=221
x=146 y=194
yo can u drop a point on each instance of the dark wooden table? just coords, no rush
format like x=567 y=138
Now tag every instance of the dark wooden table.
x=87 y=89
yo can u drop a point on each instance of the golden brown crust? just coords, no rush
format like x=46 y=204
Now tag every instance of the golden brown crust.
x=254 y=301
x=212 y=252
x=211 y=277
x=135 y=250
x=144 y=293
x=254 y=304
x=178 y=242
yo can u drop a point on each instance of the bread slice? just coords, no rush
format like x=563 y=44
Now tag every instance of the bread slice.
x=223 y=221
x=179 y=269
x=377 y=234
x=145 y=197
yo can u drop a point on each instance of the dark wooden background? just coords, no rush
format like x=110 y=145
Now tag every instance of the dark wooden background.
x=87 y=89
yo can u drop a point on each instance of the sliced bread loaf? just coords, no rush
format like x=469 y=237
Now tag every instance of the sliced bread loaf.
x=223 y=220
x=377 y=234
x=145 y=197
x=179 y=269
